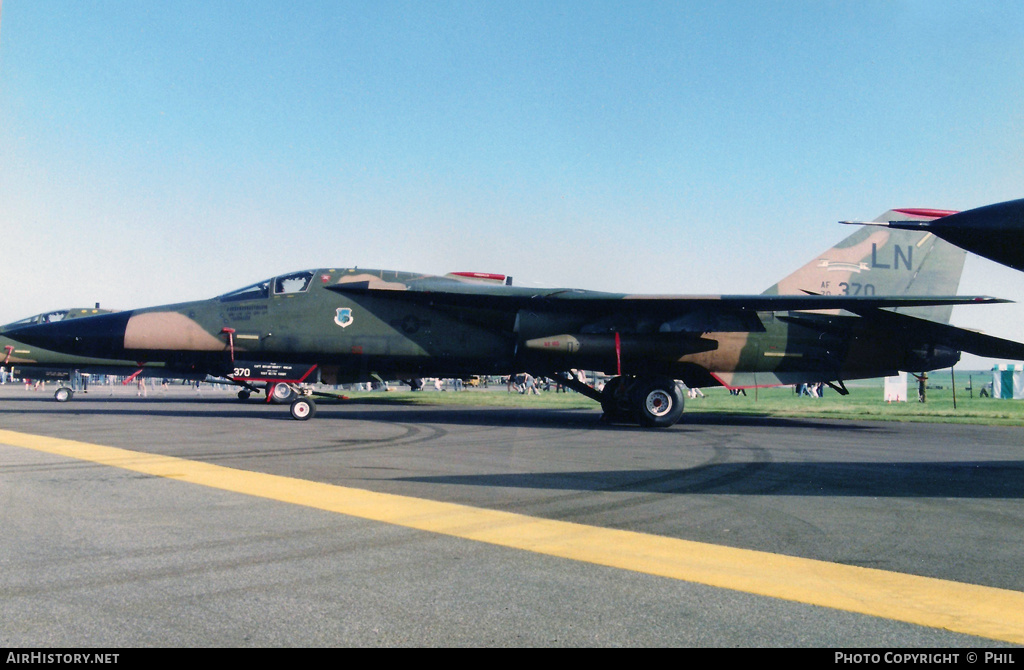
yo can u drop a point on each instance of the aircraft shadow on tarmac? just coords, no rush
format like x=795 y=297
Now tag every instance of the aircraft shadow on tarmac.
x=574 y=419
x=507 y=417
x=968 y=479
x=986 y=479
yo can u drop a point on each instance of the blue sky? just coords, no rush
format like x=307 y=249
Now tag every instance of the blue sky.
x=160 y=152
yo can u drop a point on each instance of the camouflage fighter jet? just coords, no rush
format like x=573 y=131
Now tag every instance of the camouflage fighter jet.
x=831 y=321
x=35 y=363
x=993 y=231
x=32 y=362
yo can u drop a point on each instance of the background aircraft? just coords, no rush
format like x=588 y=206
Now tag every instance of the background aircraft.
x=36 y=363
x=31 y=362
x=993 y=231
x=341 y=325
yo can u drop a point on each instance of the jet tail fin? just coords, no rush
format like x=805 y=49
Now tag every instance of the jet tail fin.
x=878 y=261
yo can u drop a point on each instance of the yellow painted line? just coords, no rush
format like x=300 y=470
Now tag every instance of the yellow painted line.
x=963 y=608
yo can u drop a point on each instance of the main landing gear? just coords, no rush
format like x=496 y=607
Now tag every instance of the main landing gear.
x=653 y=401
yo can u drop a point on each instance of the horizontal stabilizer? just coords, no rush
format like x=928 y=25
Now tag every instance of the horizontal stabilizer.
x=962 y=339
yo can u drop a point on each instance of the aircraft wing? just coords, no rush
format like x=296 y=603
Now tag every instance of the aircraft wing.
x=664 y=313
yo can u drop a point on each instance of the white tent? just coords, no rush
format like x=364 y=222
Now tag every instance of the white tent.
x=896 y=388
x=1008 y=382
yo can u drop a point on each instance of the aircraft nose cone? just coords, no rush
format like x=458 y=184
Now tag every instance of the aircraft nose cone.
x=994 y=231
x=1006 y=217
x=100 y=336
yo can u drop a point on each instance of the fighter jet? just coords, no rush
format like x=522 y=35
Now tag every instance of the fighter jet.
x=32 y=362
x=36 y=363
x=831 y=321
x=993 y=231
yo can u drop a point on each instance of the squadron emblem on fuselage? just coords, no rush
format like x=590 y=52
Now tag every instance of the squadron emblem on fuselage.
x=343 y=317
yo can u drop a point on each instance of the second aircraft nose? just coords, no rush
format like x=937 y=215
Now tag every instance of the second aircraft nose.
x=100 y=336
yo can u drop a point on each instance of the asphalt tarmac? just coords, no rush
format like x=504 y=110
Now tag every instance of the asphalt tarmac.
x=497 y=527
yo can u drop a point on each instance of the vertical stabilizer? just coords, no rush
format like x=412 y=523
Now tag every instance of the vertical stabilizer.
x=876 y=261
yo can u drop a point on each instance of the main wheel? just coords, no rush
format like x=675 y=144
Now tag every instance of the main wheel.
x=243 y=394
x=63 y=394
x=657 y=402
x=302 y=409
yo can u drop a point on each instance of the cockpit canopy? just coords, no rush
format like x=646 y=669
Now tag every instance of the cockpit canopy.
x=297 y=282
x=55 y=316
